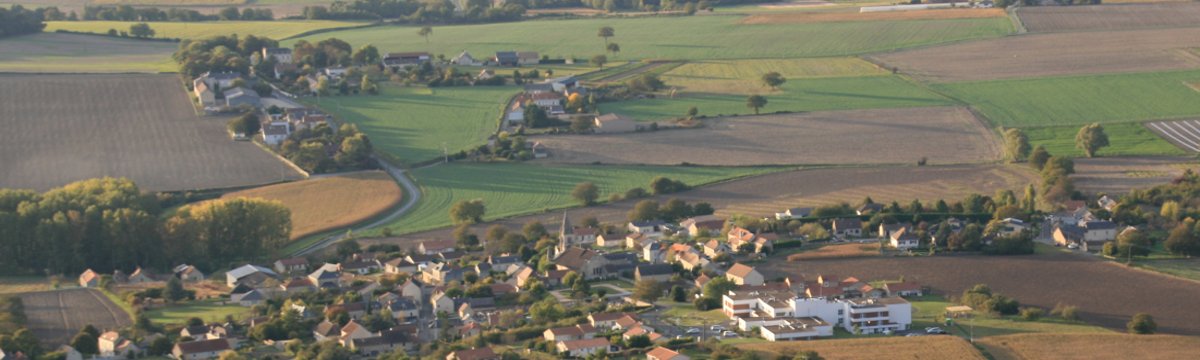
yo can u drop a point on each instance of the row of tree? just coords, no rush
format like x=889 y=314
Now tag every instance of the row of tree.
x=130 y=13
x=219 y=53
x=416 y=11
x=18 y=20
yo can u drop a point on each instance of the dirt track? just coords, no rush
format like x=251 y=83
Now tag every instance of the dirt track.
x=946 y=135
x=56 y=316
x=1109 y=17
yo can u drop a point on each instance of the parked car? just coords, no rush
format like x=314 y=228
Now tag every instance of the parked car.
x=693 y=331
x=934 y=330
x=717 y=328
x=729 y=334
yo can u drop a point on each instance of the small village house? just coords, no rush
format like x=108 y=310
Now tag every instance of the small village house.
x=742 y=274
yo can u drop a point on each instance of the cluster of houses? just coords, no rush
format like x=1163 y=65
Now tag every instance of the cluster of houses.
x=184 y=272
x=206 y=87
x=278 y=127
x=500 y=58
x=547 y=95
x=1077 y=228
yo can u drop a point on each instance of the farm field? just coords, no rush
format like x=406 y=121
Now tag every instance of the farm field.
x=921 y=347
x=929 y=310
x=766 y=194
x=1125 y=139
x=1117 y=175
x=745 y=76
x=1105 y=17
x=1183 y=133
x=70 y=53
x=947 y=135
x=1184 y=268
x=869 y=92
x=1051 y=54
x=56 y=316
x=1081 y=100
x=23 y=284
x=815 y=17
x=519 y=189
x=1106 y=293
x=707 y=37
x=137 y=126
x=326 y=203
x=277 y=30
x=412 y=124
x=1090 y=346
x=207 y=310
x=838 y=251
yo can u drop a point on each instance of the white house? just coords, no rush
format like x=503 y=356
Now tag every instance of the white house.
x=281 y=55
x=276 y=132
x=903 y=239
x=464 y=58
x=582 y=348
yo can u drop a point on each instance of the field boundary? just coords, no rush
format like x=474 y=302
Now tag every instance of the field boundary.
x=1018 y=25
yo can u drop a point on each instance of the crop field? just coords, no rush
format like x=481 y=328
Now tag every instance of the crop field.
x=56 y=316
x=278 y=30
x=1051 y=54
x=1082 y=99
x=413 y=124
x=1117 y=175
x=1106 y=293
x=1090 y=346
x=1125 y=139
x=1183 y=133
x=838 y=251
x=820 y=94
x=921 y=347
x=1184 y=268
x=706 y=37
x=326 y=203
x=745 y=76
x=519 y=189
x=60 y=129
x=69 y=53
x=946 y=135
x=815 y=17
x=1106 y=17
x=23 y=284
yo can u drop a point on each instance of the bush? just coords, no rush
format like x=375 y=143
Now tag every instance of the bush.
x=1142 y=324
x=1032 y=313
x=1066 y=312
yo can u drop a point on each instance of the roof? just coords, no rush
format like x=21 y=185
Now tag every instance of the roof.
x=577 y=330
x=739 y=270
x=408 y=54
x=585 y=343
x=475 y=354
x=655 y=269
x=612 y=316
x=662 y=353
x=574 y=258
x=902 y=286
x=111 y=336
x=612 y=118
x=276 y=129
x=847 y=223
x=1100 y=225
x=274 y=50
x=246 y=270
x=88 y=275
x=192 y=347
x=239 y=91
x=527 y=54
x=327 y=328
x=437 y=245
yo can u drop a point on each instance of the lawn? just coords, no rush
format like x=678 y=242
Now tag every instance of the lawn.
x=928 y=311
x=1124 y=139
x=195 y=30
x=71 y=53
x=511 y=189
x=1081 y=100
x=327 y=203
x=745 y=76
x=685 y=314
x=683 y=37
x=207 y=310
x=413 y=124
x=844 y=93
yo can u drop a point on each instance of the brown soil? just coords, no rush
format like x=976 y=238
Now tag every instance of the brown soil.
x=923 y=347
x=1090 y=346
x=1109 y=17
x=332 y=202
x=816 y=17
x=1117 y=175
x=56 y=316
x=837 y=252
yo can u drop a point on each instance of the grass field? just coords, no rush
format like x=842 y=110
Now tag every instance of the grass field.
x=928 y=311
x=70 y=53
x=836 y=16
x=836 y=251
x=196 y=30
x=327 y=203
x=685 y=314
x=690 y=37
x=1091 y=346
x=1082 y=99
x=744 y=76
x=413 y=124
x=923 y=347
x=517 y=189
x=207 y=310
x=1184 y=268
x=870 y=92
x=1124 y=139
x=23 y=284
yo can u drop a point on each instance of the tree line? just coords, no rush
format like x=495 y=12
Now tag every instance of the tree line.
x=18 y=21
x=130 y=13
x=219 y=53
x=108 y=224
x=415 y=11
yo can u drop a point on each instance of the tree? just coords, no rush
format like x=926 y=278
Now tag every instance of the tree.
x=534 y=230
x=425 y=32
x=599 y=60
x=606 y=32
x=231 y=355
x=692 y=112
x=367 y=54
x=348 y=247
x=1091 y=138
x=141 y=30
x=174 y=290
x=1016 y=145
x=368 y=86
x=1182 y=241
x=756 y=102
x=580 y=125
x=678 y=294
x=773 y=80
x=546 y=310
x=1038 y=158
x=246 y=125
x=1142 y=324
x=644 y=210
x=647 y=290
x=463 y=236
x=808 y=355
x=467 y=211
x=586 y=193
x=613 y=48
x=85 y=343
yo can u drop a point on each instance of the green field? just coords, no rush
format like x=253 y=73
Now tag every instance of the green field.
x=413 y=123
x=869 y=92
x=1124 y=139
x=745 y=76
x=70 y=53
x=511 y=189
x=1082 y=99
x=1184 y=268
x=928 y=310
x=207 y=310
x=685 y=37
x=194 y=30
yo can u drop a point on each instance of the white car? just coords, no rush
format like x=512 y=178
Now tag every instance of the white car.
x=717 y=328
x=1072 y=246
x=693 y=331
x=729 y=334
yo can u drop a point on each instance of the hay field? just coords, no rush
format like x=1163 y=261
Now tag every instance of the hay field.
x=1108 y=17
x=326 y=203
x=60 y=129
x=946 y=135
x=921 y=347
x=1125 y=139
x=745 y=76
x=1117 y=175
x=816 y=17
x=1091 y=346
x=1051 y=54
x=277 y=30
x=56 y=316
x=70 y=53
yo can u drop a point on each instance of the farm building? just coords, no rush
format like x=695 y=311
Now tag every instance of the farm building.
x=527 y=58
x=850 y=227
x=241 y=96
x=613 y=123
x=204 y=94
x=281 y=55
x=202 y=349
x=402 y=59
x=506 y=58
x=465 y=58
x=188 y=273
x=89 y=279
x=219 y=80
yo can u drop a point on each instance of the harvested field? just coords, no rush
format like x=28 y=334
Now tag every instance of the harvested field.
x=818 y=17
x=327 y=203
x=56 y=316
x=1184 y=133
x=1106 y=293
x=278 y=29
x=1109 y=17
x=839 y=251
x=1051 y=54
x=1117 y=175
x=60 y=129
x=1090 y=346
x=71 y=53
x=920 y=347
x=946 y=135
x=745 y=76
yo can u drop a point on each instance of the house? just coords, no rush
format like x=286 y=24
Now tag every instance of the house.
x=693 y=260
x=327 y=276
x=742 y=274
x=903 y=239
x=506 y=58
x=639 y=330
x=606 y=321
x=868 y=209
x=472 y=306
x=326 y=330
x=739 y=237
x=361 y=267
x=112 y=344
x=483 y=353
x=306 y=118
x=701 y=280
x=141 y=276
x=188 y=273
x=1090 y=236
x=239 y=96
x=651 y=228
x=662 y=353
x=291 y=265
x=249 y=297
x=384 y=342
x=464 y=58
x=89 y=279
x=527 y=58
x=583 y=347
x=610 y=240
x=582 y=331
x=485 y=74
x=539 y=88
x=652 y=253
x=516 y=111
x=352 y=331
x=398 y=60
x=218 y=80
x=202 y=349
x=297 y=286
x=1011 y=226
x=587 y=263
x=1100 y=231
x=904 y=289
x=275 y=133
x=281 y=70
x=700 y=225
x=847 y=227
x=400 y=265
x=636 y=241
x=436 y=247
x=411 y=289
x=442 y=273
x=204 y=94
x=657 y=272
x=794 y=213
x=714 y=248
x=613 y=123
x=1106 y=203
x=251 y=275
x=546 y=99
x=281 y=55
x=885 y=230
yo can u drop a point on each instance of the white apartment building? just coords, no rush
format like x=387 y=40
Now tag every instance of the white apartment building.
x=781 y=315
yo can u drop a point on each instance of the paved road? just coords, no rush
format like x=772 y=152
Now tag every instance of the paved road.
x=412 y=196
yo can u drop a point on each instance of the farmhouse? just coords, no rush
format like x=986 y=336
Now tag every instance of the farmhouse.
x=527 y=58
x=662 y=353
x=465 y=58
x=506 y=58
x=239 y=96
x=198 y=350
x=399 y=60
x=903 y=239
x=744 y=275
x=275 y=133
x=204 y=94
x=281 y=55
x=699 y=225
x=583 y=347
x=291 y=265
x=613 y=123
x=89 y=279
x=847 y=227
x=219 y=80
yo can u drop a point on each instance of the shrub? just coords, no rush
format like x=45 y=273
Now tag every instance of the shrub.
x=1032 y=313
x=1142 y=324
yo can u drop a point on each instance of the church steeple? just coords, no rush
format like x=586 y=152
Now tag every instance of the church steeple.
x=563 y=230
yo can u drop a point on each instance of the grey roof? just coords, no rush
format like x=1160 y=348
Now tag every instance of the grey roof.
x=656 y=269
x=503 y=260
x=276 y=129
x=240 y=91
x=541 y=87
x=227 y=75
x=275 y=51
x=1100 y=225
x=247 y=270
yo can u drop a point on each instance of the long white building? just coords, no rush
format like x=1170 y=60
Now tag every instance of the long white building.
x=781 y=315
